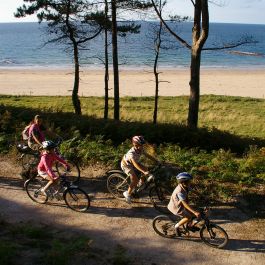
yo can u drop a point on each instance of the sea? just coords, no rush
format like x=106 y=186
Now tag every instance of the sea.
x=28 y=45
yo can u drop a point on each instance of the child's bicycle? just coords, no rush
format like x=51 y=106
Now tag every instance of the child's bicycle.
x=211 y=234
x=30 y=159
x=74 y=197
x=159 y=194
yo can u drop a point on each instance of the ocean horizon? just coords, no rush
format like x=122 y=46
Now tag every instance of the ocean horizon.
x=22 y=46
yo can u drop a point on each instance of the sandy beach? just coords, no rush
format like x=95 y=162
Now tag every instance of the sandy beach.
x=245 y=83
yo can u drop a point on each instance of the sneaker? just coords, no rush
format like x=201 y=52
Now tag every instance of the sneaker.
x=177 y=230
x=43 y=192
x=127 y=197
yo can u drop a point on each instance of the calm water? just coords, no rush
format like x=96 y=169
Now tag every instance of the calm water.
x=22 y=46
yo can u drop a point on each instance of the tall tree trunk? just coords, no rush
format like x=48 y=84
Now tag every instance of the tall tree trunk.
x=115 y=62
x=199 y=36
x=156 y=73
x=106 y=78
x=194 y=88
x=75 y=98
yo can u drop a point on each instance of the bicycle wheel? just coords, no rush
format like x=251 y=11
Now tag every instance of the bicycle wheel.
x=76 y=199
x=29 y=161
x=72 y=176
x=214 y=236
x=33 y=187
x=160 y=197
x=164 y=226
x=117 y=183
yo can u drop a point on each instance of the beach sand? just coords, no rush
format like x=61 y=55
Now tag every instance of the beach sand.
x=245 y=83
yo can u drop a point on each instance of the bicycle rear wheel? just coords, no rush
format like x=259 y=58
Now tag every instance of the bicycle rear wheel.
x=72 y=176
x=76 y=199
x=164 y=226
x=117 y=183
x=33 y=187
x=214 y=236
x=160 y=197
x=29 y=161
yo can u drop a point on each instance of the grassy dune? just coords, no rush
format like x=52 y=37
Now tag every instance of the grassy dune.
x=239 y=116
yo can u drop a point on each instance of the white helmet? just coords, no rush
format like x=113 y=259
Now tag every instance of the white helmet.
x=138 y=140
x=48 y=145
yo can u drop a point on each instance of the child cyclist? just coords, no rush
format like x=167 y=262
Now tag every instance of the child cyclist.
x=179 y=203
x=48 y=157
x=130 y=164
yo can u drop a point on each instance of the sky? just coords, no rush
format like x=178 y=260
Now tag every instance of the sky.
x=230 y=11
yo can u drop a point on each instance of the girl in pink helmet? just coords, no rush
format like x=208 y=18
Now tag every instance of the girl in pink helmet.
x=130 y=163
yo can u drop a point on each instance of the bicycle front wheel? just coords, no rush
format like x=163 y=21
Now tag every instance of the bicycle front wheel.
x=117 y=184
x=72 y=176
x=164 y=226
x=160 y=197
x=76 y=199
x=33 y=187
x=214 y=236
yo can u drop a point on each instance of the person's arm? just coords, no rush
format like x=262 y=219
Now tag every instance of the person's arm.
x=62 y=161
x=190 y=209
x=140 y=167
x=36 y=139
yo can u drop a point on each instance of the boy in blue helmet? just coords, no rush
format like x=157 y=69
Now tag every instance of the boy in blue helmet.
x=179 y=202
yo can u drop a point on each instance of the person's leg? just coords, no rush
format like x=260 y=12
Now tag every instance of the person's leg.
x=134 y=181
x=186 y=217
x=50 y=182
x=128 y=170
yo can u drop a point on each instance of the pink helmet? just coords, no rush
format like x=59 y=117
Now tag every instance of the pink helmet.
x=138 y=140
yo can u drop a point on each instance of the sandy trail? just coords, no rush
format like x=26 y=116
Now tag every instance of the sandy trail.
x=110 y=222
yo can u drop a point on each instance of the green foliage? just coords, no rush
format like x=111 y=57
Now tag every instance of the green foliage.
x=62 y=251
x=207 y=152
x=30 y=231
x=47 y=245
x=119 y=257
x=8 y=250
x=223 y=166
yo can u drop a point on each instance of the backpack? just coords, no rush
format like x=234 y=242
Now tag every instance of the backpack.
x=25 y=132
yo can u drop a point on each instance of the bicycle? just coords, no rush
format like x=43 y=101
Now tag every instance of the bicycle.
x=211 y=234
x=74 y=197
x=159 y=194
x=30 y=159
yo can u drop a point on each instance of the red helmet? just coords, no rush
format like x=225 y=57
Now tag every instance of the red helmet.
x=138 y=140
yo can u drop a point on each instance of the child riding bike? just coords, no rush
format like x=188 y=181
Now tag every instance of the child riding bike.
x=179 y=202
x=48 y=157
x=130 y=165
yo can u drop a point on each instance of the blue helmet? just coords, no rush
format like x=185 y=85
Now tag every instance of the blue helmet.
x=183 y=176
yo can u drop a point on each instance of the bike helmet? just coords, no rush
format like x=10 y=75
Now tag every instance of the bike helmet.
x=138 y=140
x=48 y=145
x=183 y=176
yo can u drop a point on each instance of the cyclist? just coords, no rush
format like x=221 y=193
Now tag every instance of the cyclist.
x=130 y=165
x=36 y=135
x=179 y=203
x=48 y=157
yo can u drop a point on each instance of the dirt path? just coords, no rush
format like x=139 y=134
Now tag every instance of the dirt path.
x=110 y=222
